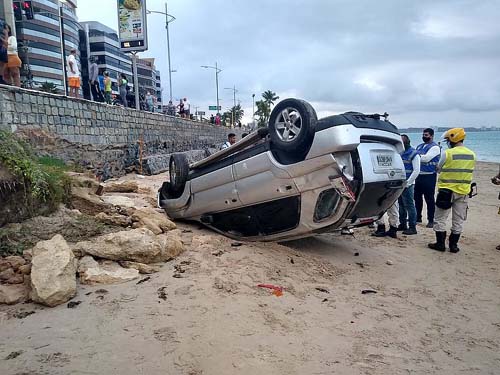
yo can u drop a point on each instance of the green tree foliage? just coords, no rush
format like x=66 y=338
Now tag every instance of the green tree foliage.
x=49 y=87
x=264 y=107
x=235 y=113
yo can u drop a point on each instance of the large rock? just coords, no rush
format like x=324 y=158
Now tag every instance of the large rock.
x=121 y=187
x=137 y=245
x=104 y=272
x=11 y=294
x=118 y=200
x=155 y=221
x=15 y=261
x=53 y=272
x=114 y=219
x=84 y=200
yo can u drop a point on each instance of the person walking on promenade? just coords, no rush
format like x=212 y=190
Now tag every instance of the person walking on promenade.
x=456 y=168
x=73 y=74
x=122 y=85
x=496 y=181
x=150 y=102
x=217 y=119
x=181 y=108
x=107 y=88
x=411 y=160
x=425 y=185
x=170 y=108
x=12 y=73
x=94 y=81
x=4 y=36
x=187 y=108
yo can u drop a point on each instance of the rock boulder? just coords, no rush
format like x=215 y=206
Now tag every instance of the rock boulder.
x=155 y=221
x=104 y=272
x=53 y=272
x=11 y=294
x=137 y=245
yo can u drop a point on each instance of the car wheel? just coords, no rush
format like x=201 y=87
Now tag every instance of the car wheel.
x=178 y=170
x=291 y=126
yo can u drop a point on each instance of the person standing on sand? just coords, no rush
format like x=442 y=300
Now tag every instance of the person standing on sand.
x=411 y=160
x=456 y=168
x=425 y=184
x=496 y=181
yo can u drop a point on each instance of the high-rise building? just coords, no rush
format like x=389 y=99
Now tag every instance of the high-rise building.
x=41 y=40
x=149 y=79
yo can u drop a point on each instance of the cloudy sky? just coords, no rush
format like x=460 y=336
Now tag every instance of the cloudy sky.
x=425 y=62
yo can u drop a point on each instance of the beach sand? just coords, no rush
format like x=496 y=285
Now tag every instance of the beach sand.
x=432 y=313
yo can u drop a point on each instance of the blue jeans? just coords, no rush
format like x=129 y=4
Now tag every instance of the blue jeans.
x=407 y=207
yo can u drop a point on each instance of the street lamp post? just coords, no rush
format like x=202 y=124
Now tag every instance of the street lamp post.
x=253 y=112
x=168 y=19
x=217 y=71
x=234 y=101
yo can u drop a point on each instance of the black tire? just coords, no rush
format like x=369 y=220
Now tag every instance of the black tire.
x=294 y=134
x=178 y=170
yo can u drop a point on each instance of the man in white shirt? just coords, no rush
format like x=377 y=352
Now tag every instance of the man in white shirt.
x=73 y=74
x=425 y=185
x=187 y=108
x=231 y=140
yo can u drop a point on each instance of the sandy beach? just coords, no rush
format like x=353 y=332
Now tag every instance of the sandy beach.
x=429 y=313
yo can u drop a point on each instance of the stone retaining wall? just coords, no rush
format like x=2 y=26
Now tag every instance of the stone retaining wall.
x=107 y=139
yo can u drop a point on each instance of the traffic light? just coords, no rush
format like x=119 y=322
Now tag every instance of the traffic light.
x=28 y=10
x=18 y=12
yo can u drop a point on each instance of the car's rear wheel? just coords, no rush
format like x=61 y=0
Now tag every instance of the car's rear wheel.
x=178 y=170
x=291 y=127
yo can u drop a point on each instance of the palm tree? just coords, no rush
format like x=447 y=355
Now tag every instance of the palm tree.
x=263 y=111
x=270 y=97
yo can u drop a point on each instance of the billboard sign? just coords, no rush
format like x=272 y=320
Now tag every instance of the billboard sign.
x=132 y=25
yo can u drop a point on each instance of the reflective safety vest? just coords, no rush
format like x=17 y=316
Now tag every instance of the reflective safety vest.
x=408 y=157
x=430 y=166
x=456 y=173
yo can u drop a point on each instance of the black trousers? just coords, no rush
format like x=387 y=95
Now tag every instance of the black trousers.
x=96 y=92
x=425 y=185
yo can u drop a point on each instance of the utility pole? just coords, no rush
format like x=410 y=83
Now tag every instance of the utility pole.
x=217 y=71
x=234 y=102
x=136 y=81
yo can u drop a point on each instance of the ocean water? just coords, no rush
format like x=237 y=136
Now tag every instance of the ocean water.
x=486 y=145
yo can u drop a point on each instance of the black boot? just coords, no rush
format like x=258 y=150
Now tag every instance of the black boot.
x=402 y=226
x=439 y=245
x=411 y=230
x=453 y=241
x=380 y=232
x=392 y=232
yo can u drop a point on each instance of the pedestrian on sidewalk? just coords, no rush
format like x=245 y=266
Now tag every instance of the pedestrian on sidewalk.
x=4 y=36
x=150 y=102
x=73 y=74
x=187 y=108
x=456 y=168
x=122 y=86
x=107 y=88
x=407 y=211
x=217 y=119
x=94 y=81
x=181 y=108
x=170 y=109
x=12 y=70
x=425 y=185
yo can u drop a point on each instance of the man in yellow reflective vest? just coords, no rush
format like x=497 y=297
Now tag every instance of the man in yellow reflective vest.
x=455 y=168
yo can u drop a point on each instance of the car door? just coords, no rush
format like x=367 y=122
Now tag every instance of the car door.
x=213 y=188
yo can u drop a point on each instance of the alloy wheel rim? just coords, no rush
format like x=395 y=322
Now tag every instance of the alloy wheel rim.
x=288 y=124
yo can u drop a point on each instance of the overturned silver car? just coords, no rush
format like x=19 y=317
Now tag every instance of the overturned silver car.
x=297 y=177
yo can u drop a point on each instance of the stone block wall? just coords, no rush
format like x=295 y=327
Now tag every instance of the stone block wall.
x=107 y=139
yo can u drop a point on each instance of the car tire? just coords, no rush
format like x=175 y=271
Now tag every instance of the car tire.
x=291 y=127
x=178 y=171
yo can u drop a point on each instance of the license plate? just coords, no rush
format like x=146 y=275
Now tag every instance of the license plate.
x=384 y=160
